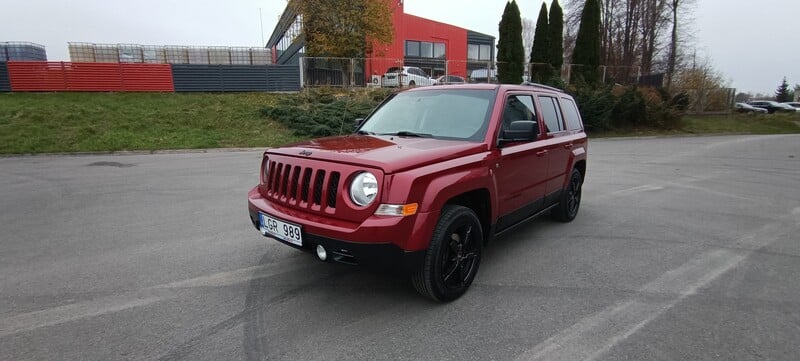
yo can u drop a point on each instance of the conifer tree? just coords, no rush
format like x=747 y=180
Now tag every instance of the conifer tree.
x=510 y=52
x=540 y=52
x=556 y=37
x=586 y=57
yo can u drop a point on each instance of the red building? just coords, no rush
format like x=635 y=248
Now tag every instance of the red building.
x=435 y=47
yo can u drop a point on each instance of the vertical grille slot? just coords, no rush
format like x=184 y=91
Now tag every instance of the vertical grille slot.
x=318 y=183
x=306 y=184
x=333 y=189
x=295 y=180
x=287 y=170
x=276 y=179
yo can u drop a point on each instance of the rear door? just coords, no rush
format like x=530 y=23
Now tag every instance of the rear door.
x=558 y=145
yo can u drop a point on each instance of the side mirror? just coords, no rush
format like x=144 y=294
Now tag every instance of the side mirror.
x=521 y=130
x=358 y=122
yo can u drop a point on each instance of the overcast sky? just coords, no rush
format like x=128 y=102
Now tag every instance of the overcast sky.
x=753 y=44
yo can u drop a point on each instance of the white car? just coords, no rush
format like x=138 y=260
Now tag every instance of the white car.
x=795 y=105
x=406 y=76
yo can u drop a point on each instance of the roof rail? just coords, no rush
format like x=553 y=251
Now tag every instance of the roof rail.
x=527 y=83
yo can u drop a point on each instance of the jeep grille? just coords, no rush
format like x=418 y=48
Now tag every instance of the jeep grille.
x=302 y=186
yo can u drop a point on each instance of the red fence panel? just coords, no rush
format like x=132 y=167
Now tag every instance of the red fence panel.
x=66 y=76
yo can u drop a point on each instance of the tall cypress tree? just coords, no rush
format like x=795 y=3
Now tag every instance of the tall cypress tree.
x=586 y=56
x=556 y=38
x=540 y=53
x=502 y=42
x=510 y=64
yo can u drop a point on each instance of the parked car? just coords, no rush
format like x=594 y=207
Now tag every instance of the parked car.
x=483 y=76
x=450 y=80
x=406 y=76
x=427 y=180
x=771 y=106
x=795 y=105
x=747 y=108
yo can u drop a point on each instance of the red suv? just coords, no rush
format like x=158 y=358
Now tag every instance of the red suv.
x=427 y=180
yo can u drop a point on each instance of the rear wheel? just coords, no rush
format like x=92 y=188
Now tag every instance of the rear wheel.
x=453 y=256
x=567 y=208
x=412 y=84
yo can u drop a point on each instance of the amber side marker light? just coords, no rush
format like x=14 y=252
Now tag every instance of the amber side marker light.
x=397 y=210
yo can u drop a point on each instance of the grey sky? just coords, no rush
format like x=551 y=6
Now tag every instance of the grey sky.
x=752 y=44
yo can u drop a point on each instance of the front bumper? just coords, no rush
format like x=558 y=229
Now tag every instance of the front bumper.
x=385 y=257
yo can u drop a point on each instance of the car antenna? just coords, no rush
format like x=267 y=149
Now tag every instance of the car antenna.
x=344 y=114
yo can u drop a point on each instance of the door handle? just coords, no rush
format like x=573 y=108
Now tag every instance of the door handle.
x=567 y=146
x=541 y=153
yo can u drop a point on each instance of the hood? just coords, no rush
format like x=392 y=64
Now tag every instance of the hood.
x=389 y=153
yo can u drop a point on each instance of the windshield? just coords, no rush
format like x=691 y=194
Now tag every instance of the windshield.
x=445 y=114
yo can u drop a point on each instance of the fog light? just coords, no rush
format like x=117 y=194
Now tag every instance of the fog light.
x=321 y=253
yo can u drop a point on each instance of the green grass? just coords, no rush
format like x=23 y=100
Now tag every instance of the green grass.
x=720 y=124
x=99 y=122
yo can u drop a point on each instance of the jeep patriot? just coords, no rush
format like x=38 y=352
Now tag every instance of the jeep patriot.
x=427 y=180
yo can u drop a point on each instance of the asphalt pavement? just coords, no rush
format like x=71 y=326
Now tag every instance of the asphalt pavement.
x=684 y=249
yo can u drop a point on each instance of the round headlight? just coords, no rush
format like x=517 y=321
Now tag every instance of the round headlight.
x=364 y=189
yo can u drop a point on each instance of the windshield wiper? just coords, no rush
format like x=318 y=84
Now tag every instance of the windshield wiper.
x=364 y=132
x=406 y=133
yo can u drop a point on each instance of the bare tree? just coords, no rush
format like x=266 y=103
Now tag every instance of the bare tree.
x=528 y=30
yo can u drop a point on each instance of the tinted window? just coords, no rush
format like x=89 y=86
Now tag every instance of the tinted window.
x=412 y=48
x=426 y=50
x=551 y=114
x=571 y=114
x=518 y=107
x=438 y=50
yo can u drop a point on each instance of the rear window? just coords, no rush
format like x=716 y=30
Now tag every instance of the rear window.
x=394 y=69
x=571 y=113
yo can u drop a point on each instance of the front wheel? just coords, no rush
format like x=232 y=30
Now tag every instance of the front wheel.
x=570 y=202
x=453 y=256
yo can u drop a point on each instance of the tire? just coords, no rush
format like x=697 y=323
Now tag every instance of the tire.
x=412 y=84
x=453 y=255
x=570 y=202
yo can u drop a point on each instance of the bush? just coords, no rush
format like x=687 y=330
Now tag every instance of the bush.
x=324 y=112
x=609 y=108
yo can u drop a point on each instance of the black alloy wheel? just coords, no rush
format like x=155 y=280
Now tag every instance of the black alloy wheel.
x=453 y=256
x=567 y=209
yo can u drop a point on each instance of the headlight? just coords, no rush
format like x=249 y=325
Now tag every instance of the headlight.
x=364 y=189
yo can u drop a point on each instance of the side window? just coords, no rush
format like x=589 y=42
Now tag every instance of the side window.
x=551 y=114
x=572 y=115
x=518 y=107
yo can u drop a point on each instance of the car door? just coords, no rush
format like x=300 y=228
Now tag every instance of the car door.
x=558 y=145
x=520 y=168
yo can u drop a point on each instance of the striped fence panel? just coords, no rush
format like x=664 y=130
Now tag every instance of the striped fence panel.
x=66 y=76
x=235 y=78
x=283 y=78
x=5 y=85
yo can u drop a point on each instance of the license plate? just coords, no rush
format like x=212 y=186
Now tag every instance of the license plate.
x=271 y=226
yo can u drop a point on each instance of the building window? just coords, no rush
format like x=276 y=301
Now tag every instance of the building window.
x=425 y=49
x=438 y=50
x=412 y=48
x=291 y=33
x=479 y=52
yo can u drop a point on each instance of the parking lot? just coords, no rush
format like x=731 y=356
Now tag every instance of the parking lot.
x=684 y=248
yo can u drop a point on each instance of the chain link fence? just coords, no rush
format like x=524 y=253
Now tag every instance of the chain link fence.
x=391 y=72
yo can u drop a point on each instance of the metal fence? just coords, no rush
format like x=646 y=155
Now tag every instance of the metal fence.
x=378 y=72
x=235 y=78
x=38 y=76
x=165 y=54
x=5 y=85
